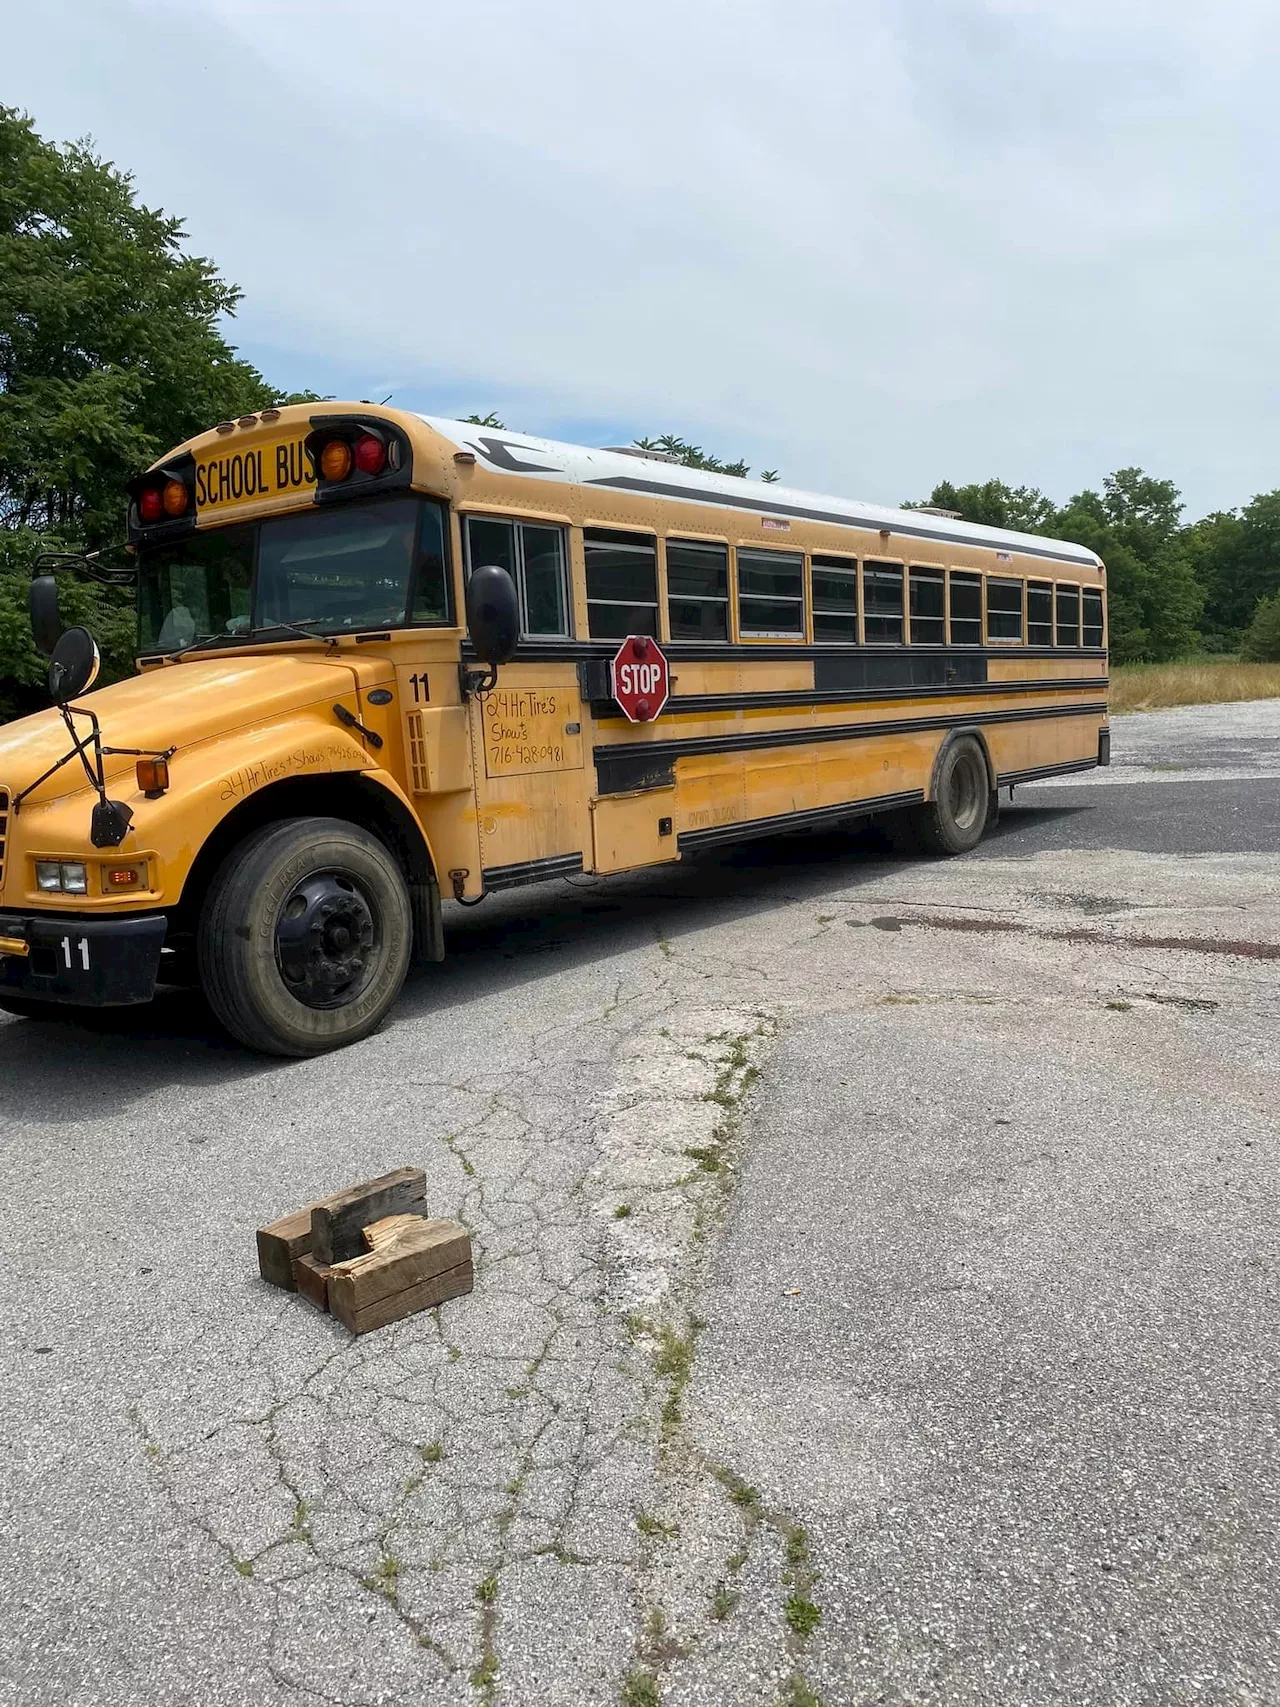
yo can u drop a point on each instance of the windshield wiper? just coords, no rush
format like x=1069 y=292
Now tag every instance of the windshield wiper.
x=248 y=634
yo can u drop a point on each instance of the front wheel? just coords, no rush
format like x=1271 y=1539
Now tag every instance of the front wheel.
x=305 y=937
x=953 y=821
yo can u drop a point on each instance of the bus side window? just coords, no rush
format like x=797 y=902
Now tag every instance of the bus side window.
x=431 y=601
x=1092 y=616
x=966 y=608
x=770 y=594
x=1004 y=608
x=622 y=583
x=1068 y=610
x=698 y=589
x=882 y=601
x=1039 y=613
x=928 y=625
x=835 y=598
x=533 y=555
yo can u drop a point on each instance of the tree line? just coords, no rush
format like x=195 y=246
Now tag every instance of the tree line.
x=112 y=352
x=1174 y=588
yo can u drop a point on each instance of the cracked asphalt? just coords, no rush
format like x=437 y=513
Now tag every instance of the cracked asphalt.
x=875 y=1302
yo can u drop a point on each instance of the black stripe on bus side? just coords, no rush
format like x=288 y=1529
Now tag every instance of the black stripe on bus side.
x=531 y=871
x=819 y=818
x=869 y=524
x=1007 y=779
x=560 y=651
x=746 y=741
x=690 y=704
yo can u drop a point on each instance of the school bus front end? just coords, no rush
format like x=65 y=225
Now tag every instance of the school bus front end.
x=292 y=744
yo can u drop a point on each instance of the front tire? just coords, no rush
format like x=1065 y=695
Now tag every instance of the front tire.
x=954 y=820
x=305 y=937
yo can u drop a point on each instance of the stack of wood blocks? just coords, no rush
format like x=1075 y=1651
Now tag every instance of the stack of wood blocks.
x=369 y=1255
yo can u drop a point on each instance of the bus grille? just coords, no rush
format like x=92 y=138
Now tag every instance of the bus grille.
x=419 y=770
x=4 y=829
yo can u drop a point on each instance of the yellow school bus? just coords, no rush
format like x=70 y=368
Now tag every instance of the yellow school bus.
x=383 y=663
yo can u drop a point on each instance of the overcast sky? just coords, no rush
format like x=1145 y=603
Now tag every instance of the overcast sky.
x=871 y=244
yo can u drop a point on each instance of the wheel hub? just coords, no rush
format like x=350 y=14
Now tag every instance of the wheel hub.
x=326 y=940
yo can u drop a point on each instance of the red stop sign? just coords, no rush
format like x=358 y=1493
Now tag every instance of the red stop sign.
x=640 y=678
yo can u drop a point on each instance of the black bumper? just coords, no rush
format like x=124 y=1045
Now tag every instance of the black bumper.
x=93 y=962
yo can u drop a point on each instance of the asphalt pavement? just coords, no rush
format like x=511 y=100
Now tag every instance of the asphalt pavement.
x=875 y=1292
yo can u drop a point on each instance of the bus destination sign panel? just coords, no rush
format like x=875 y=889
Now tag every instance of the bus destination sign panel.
x=231 y=475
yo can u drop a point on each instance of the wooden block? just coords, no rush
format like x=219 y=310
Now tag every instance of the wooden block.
x=312 y=1280
x=413 y=1264
x=425 y=1296
x=282 y=1242
x=338 y=1222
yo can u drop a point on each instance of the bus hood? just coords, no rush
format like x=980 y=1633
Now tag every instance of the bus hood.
x=200 y=699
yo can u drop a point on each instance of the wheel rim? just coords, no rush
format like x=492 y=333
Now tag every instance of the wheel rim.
x=965 y=790
x=327 y=940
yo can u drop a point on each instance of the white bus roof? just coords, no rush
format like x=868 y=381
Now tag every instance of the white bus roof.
x=580 y=465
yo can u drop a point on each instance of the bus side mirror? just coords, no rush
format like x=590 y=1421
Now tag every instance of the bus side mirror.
x=46 y=620
x=493 y=614
x=74 y=667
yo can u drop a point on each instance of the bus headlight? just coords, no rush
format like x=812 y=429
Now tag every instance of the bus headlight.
x=61 y=877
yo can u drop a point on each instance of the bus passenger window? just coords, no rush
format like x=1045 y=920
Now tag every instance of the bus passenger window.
x=882 y=601
x=928 y=627
x=622 y=583
x=533 y=555
x=698 y=589
x=770 y=594
x=1039 y=613
x=1068 y=616
x=1092 y=616
x=966 y=608
x=835 y=598
x=1004 y=609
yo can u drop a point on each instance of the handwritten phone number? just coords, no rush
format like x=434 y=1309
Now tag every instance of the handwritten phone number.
x=549 y=752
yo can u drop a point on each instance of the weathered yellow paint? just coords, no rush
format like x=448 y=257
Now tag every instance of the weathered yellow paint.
x=627 y=829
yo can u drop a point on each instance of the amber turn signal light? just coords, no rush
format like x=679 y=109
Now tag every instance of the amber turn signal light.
x=153 y=775
x=174 y=497
x=335 y=460
x=122 y=877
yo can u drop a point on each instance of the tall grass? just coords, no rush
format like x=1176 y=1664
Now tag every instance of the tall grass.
x=1198 y=681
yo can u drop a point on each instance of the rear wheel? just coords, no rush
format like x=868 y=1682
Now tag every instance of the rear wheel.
x=305 y=937
x=953 y=821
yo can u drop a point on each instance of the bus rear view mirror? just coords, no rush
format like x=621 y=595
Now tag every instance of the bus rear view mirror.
x=46 y=621
x=493 y=614
x=74 y=667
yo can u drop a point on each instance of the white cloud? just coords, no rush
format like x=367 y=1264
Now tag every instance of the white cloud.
x=874 y=244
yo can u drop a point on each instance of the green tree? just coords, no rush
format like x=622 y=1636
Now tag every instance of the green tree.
x=1262 y=640
x=1238 y=560
x=693 y=456
x=110 y=354
x=1154 y=597
x=1024 y=509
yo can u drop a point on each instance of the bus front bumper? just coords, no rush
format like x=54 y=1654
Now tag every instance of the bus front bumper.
x=92 y=962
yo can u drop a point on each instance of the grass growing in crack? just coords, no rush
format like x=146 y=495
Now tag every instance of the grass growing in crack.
x=673 y=1360
x=797 y=1546
x=244 y=1566
x=622 y=1211
x=797 y=1693
x=648 y=1524
x=802 y=1615
x=724 y=1600
x=640 y=1689
x=432 y=1452
x=485 y=1673
x=487 y=1591
x=709 y=1157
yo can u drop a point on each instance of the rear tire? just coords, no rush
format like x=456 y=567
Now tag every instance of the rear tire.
x=305 y=937
x=954 y=820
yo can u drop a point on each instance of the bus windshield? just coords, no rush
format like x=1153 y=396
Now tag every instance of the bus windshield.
x=334 y=570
